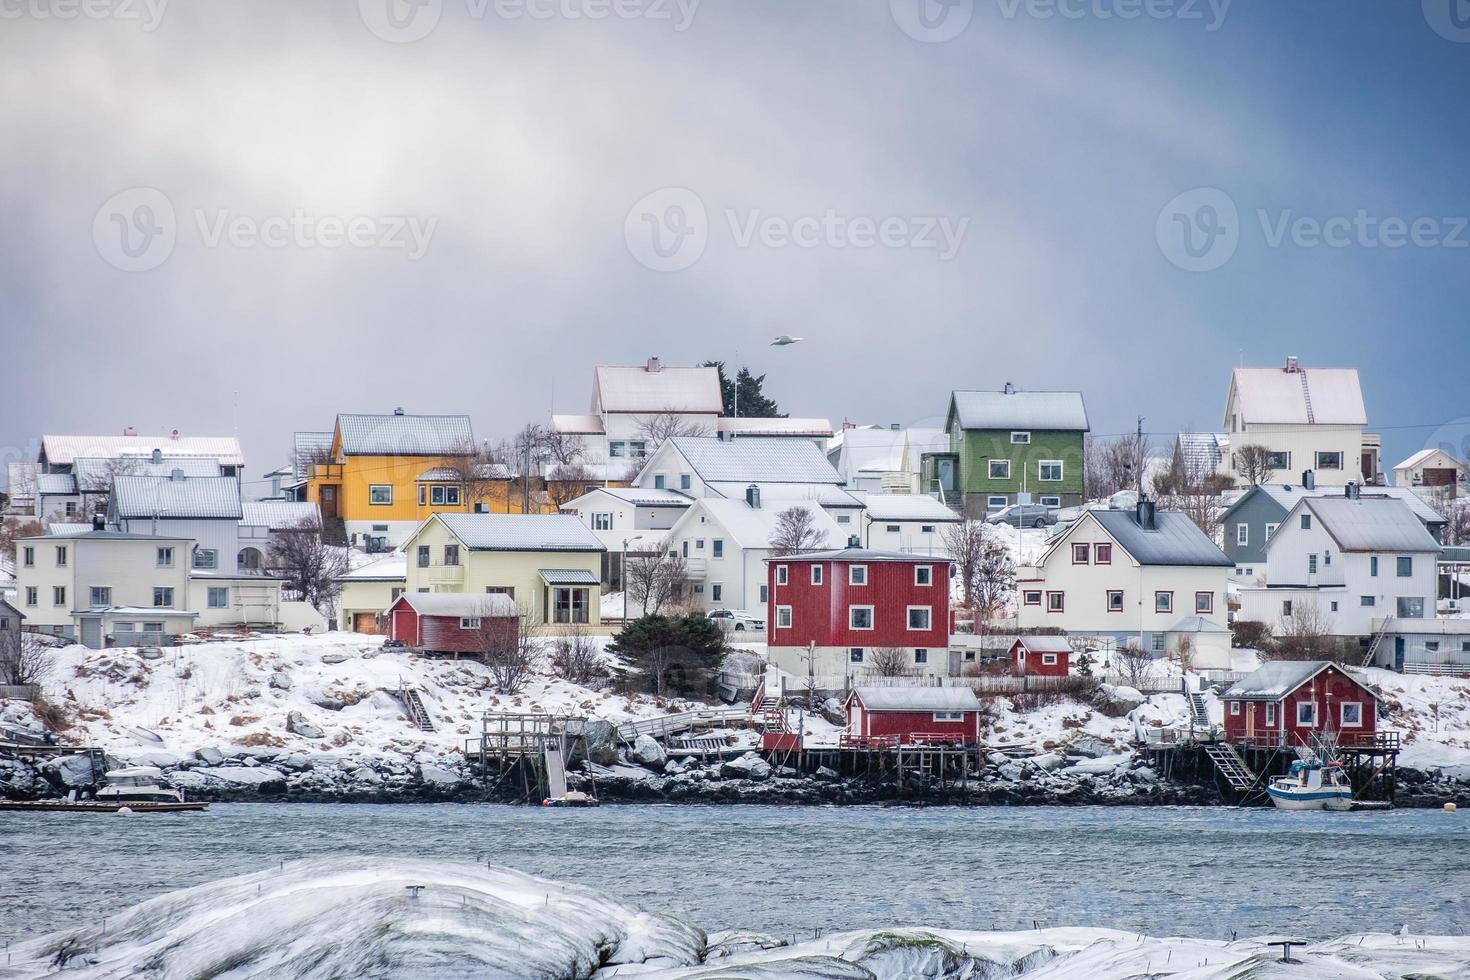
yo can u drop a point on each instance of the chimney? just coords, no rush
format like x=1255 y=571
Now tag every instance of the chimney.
x=1352 y=491
x=1009 y=389
x=1146 y=514
x=174 y=434
x=753 y=496
x=398 y=411
x=1292 y=365
x=1309 y=480
x=654 y=366
x=157 y=455
x=176 y=475
x=99 y=523
x=130 y=431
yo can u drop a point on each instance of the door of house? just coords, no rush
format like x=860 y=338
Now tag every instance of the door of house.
x=329 y=502
x=365 y=622
x=92 y=633
x=1369 y=466
x=1439 y=477
x=1398 y=653
x=857 y=720
x=1250 y=720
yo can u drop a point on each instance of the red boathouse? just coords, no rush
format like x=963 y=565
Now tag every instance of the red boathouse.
x=1287 y=702
x=1041 y=656
x=451 y=622
x=881 y=716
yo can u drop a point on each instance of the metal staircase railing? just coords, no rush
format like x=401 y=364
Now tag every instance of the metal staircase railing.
x=1231 y=766
x=417 y=713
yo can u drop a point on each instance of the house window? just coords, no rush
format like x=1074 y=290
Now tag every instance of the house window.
x=816 y=574
x=1204 y=602
x=1056 y=602
x=1404 y=566
x=1411 y=607
x=1311 y=564
x=99 y=595
x=1048 y=660
x=1334 y=605
x=1373 y=565
x=996 y=502
x=1270 y=530
x=71 y=508
x=423 y=556
x=380 y=494
x=31 y=599
x=1242 y=534
x=1329 y=461
x=1431 y=646
x=921 y=657
x=780 y=574
x=855 y=655
x=219 y=598
x=949 y=716
x=1000 y=469
x=423 y=490
x=658 y=481
x=919 y=617
x=1049 y=471
x=1278 y=460
x=451 y=554
x=699 y=588
x=569 y=605
x=1051 y=501
x=1367 y=600
x=684 y=481
x=602 y=522
x=783 y=617
x=1306 y=522
x=844 y=518
x=926 y=528
x=28 y=557
x=617 y=450
x=857 y=574
x=444 y=496
x=1286 y=607
x=638 y=450
x=61 y=556
x=469 y=622
x=1158 y=643
x=1163 y=602
x=716 y=592
x=163 y=597
x=1306 y=714
x=1102 y=554
x=1235 y=708
x=58 y=595
x=1020 y=438
x=1271 y=714
x=717 y=547
x=765 y=594
x=923 y=574
x=1032 y=597
x=206 y=558
x=859 y=617
x=1115 y=600
x=1081 y=554
x=506 y=590
x=1352 y=714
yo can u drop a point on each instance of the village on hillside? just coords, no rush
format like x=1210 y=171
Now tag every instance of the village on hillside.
x=684 y=593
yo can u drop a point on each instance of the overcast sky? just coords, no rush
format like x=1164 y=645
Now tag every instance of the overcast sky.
x=494 y=196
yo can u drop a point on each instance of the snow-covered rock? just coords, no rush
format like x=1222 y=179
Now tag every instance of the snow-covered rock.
x=242 y=775
x=209 y=755
x=297 y=724
x=747 y=766
x=335 y=657
x=74 y=770
x=646 y=751
x=280 y=681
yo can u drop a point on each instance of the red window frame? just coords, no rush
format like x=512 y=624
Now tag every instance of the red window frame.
x=1083 y=550
x=1056 y=609
x=1209 y=606
x=1119 y=594
x=1026 y=595
x=1102 y=554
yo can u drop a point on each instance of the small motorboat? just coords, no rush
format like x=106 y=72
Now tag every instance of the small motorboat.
x=571 y=798
x=137 y=785
x=1311 y=785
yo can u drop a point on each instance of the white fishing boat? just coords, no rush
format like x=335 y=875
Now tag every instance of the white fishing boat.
x=1311 y=785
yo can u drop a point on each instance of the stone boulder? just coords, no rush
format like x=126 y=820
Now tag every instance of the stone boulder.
x=747 y=766
x=646 y=751
x=335 y=657
x=209 y=755
x=297 y=724
x=151 y=653
x=279 y=681
x=436 y=776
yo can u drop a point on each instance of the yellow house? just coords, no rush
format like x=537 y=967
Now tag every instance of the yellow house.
x=550 y=564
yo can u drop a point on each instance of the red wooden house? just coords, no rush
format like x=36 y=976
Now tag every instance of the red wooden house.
x=1287 y=702
x=879 y=716
x=451 y=622
x=830 y=610
x=1041 y=656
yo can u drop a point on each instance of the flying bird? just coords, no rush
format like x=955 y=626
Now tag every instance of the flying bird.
x=785 y=341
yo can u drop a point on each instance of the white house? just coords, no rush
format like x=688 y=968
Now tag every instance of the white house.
x=1140 y=576
x=726 y=542
x=1430 y=468
x=911 y=522
x=782 y=469
x=1358 y=560
x=264 y=521
x=1307 y=419
x=627 y=518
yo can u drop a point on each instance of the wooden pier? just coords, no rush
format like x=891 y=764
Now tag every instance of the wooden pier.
x=532 y=748
x=1241 y=769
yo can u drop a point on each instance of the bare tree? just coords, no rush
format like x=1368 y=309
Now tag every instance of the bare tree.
x=1253 y=464
x=656 y=578
x=1456 y=513
x=566 y=482
x=12 y=529
x=577 y=656
x=310 y=566
x=476 y=473
x=1304 y=633
x=987 y=572
x=655 y=430
x=888 y=662
x=796 y=532
x=1184 y=653
x=1135 y=664
x=509 y=650
x=1110 y=465
x=24 y=658
x=1192 y=487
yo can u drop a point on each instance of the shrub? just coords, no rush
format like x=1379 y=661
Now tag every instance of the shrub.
x=672 y=651
x=1250 y=634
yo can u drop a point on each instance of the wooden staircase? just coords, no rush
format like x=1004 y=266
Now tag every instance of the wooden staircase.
x=417 y=713
x=1230 y=765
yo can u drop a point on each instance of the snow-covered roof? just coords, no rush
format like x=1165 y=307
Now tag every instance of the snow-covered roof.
x=568 y=576
x=675 y=390
x=641 y=497
x=67 y=529
x=810 y=428
x=1203 y=450
x=55 y=484
x=917 y=698
x=906 y=507
x=466 y=605
x=1045 y=644
x=277 y=514
x=857 y=555
x=1061 y=411
x=90 y=535
x=587 y=425
x=148 y=612
x=1320 y=396
x=521 y=532
x=1174 y=539
x=95 y=473
x=448 y=474
x=1424 y=455
x=756 y=460
x=1371 y=524
x=307 y=447
x=63 y=450
x=1288 y=496
x=1197 y=624
x=405 y=435
x=752 y=527
x=392 y=568
x=172 y=499
x=826 y=494
x=1279 y=678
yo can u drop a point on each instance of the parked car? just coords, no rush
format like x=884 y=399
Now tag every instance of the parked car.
x=1024 y=515
x=738 y=620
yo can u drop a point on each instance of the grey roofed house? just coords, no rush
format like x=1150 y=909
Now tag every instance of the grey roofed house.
x=654 y=388
x=641 y=497
x=1373 y=524
x=917 y=698
x=1174 y=539
x=64 y=450
x=405 y=435
x=1269 y=504
x=278 y=515
x=55 y=485
x=521 y=532
x=1298 y=396
x=907 y=507
x=756 y=460
x=1277 y=679
x=95 y=473
x=1056 y=411
x=175 y=498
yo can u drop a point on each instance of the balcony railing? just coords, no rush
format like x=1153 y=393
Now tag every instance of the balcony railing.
x=324 y=471
x=442 y=574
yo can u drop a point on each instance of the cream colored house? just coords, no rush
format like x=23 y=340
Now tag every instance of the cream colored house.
x=369 y=590
x=1431 y=468
x=550 y=564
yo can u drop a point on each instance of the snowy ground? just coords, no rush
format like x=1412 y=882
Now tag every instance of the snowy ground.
x=1433 y=715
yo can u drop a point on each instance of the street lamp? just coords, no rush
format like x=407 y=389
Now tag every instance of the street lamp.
x=623 y=573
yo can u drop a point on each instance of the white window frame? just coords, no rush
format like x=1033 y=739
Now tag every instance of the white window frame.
x=857 y=574
x=602 y=520
x=206 y=558
x=854 y=655
x=1308 y=722
x=1119 y=594
x=1052 y=501
x=997 y=501
x=1343 y=707
x=61 y=556
x=783 y=617
x=164 y=557
x=617 y=449
x=469 y=622
x=28 y=556
x=1235 y=709
x=93 y=597
x=1270 y=714
x=1042 y=464
x=860 y=629
x=1271 y=529
x=844 y=518
x=170 y=596
x=1062 y=594
x=1020 y=438
x=781 y=574
x=908 y=619
x=373 y=500
x=928 y=573
x=1048 y=660
x=1324 y=466
x=1168 y=606
x=949 y=716
x=817 y=574
x=1209 y=609
x=921 y=656
x=1004 y=464
x=717 y=547
x=224 y=602
x=1242 y=535
x=33 y=595
x=716 y=591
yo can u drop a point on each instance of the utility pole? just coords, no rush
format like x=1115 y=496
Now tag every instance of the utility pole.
x=1138 y=449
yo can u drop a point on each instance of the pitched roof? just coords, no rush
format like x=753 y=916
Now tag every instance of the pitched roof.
x=1321 y=396
x=68 y=529
x=404 y=435
x=1175 y=539
x=55 y=484
x=307 y=447
x=521 y=532
x=63 y=450
x=568 y=576
x=809 y=428
x=577 y=424
x=1039 y=410
x=907 y=507
x=668 y=389
x=1197 y=624
x=1045 y=644
x=756 y=460
x=641 y=497
x=1203 y=450
x=464 y=605
x=1286 y=496
x=1424 y=455
x=392 y=568
x=95 y=473
x=917 y=698
x=1279 y=678
x=172 y=499
x=751 y=527
x=860 y=555
x=448 y=474
x=90 y=535
x=1372 y=524
x=277 y=514
x=826 y=494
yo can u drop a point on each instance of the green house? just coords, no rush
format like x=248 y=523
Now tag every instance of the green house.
x=1009 y=442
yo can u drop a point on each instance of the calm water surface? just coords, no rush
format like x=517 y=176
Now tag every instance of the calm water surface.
x=1161 y=871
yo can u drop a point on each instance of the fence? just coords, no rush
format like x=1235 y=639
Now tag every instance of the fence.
x=1439 y=670
x=19 y=692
